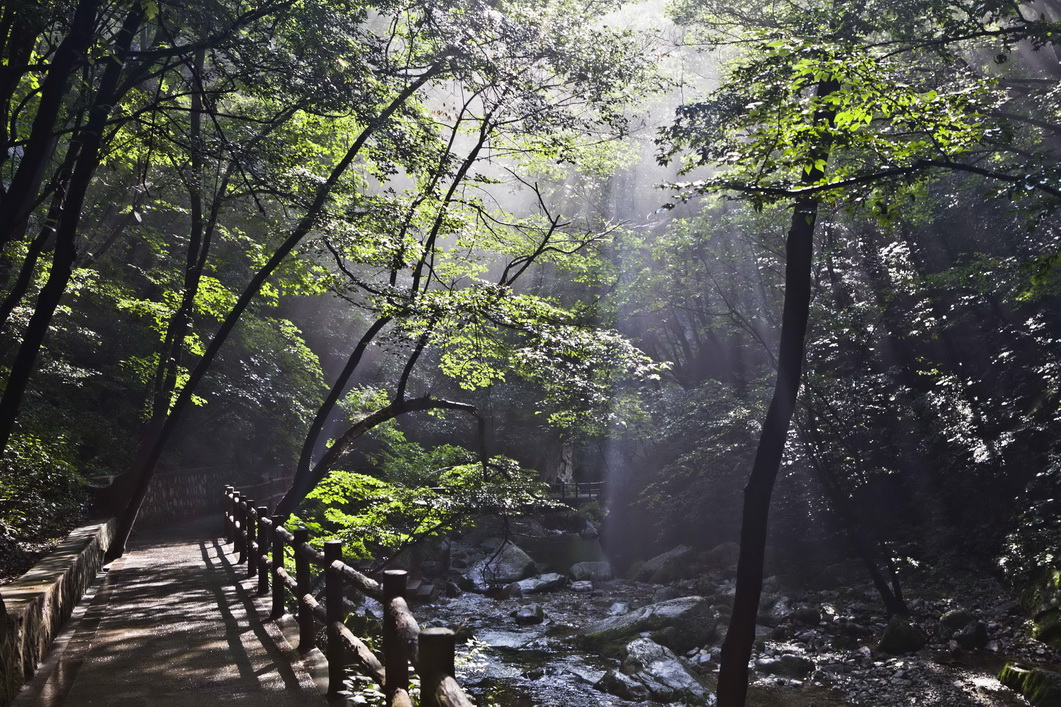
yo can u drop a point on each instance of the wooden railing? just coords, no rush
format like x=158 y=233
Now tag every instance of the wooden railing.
x=578 y=490
x=261 y=542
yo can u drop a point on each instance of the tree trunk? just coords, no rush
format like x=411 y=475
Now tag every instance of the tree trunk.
x=737 y=649
x=302 y=485
x=799 y=251
x=19 y=201
x=66 y=232
x=144 y=470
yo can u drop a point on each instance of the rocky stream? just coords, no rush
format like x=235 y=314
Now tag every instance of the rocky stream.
x=543 y=620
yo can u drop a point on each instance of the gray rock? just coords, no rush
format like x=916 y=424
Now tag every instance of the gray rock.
x=593 y=571
x=512 y=591
x=1041 y=687
x=788 y=665
x=589 y=532
x=542 y=583
x=775 y=613
x=582 y=586
x=955 y=620
x=681 y=624
x=618 y=608
x=900 y=637
x=529 y=614
x=634 y=570
x=665 y=594
x=504 y=566
x=528 y=528
x=973 y=636
x=623 y=686
x=664 y=675
x=721 y=557
x=668 y=566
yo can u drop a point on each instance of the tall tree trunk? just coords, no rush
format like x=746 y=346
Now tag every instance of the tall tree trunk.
x=799 y=251
x=20 y=199
x=66 y=232
x=737 y=649
x=144 y=469
x=305 y=461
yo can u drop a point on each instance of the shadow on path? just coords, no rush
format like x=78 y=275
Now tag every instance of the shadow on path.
x=169 y=625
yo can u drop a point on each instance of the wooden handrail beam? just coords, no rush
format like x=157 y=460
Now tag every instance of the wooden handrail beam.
x=255 y=535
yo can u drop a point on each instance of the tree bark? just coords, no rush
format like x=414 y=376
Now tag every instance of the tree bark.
x=143 y=472
x=799 y=251
x=19 y=201
x=737 y=649
x=301 y=486
x=66 y=232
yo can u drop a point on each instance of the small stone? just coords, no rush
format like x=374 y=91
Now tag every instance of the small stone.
x=529 y=615
x=582 y=586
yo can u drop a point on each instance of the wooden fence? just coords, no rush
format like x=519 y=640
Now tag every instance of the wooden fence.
x=261 y=541
x=569 y=491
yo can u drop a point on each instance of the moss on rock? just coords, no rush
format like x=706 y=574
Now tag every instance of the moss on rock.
x=1040 y=687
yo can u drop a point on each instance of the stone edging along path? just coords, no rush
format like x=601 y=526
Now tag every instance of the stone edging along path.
x=35 y=606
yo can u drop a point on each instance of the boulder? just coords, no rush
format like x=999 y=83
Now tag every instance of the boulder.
x=900 y=637
x=542 y=583
x=528 y=528
x=1043 y=599
x=624 y=686
x=680 y=624
x=593 y=571
x=954 y=621
x=652 y=671
x=1042 y=688
x=788 y=665
x=721 y=557
x=973 y=636
x=529 y=615
x=667 y=567
x=505 y=565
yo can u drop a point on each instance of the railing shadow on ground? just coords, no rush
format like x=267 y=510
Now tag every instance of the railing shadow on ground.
x=261 y=541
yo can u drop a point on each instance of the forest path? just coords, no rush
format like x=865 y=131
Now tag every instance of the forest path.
x=170 y=625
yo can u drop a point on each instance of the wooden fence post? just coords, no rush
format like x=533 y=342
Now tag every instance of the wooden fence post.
x=229 y=515
x=239 y=523
x=333 y=604
x=278 y=562
x=395 y=661
x=437 y=649
x=252 y=525
x=261 y=557
x=306 y=638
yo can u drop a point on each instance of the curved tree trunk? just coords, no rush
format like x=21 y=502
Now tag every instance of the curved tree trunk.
x=302 y=485
x=144 y=469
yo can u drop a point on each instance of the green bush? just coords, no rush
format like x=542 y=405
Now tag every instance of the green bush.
x=41 y=495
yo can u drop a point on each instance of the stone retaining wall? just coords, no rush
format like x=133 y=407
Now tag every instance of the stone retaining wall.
x=184 y=494
x=34 y=606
